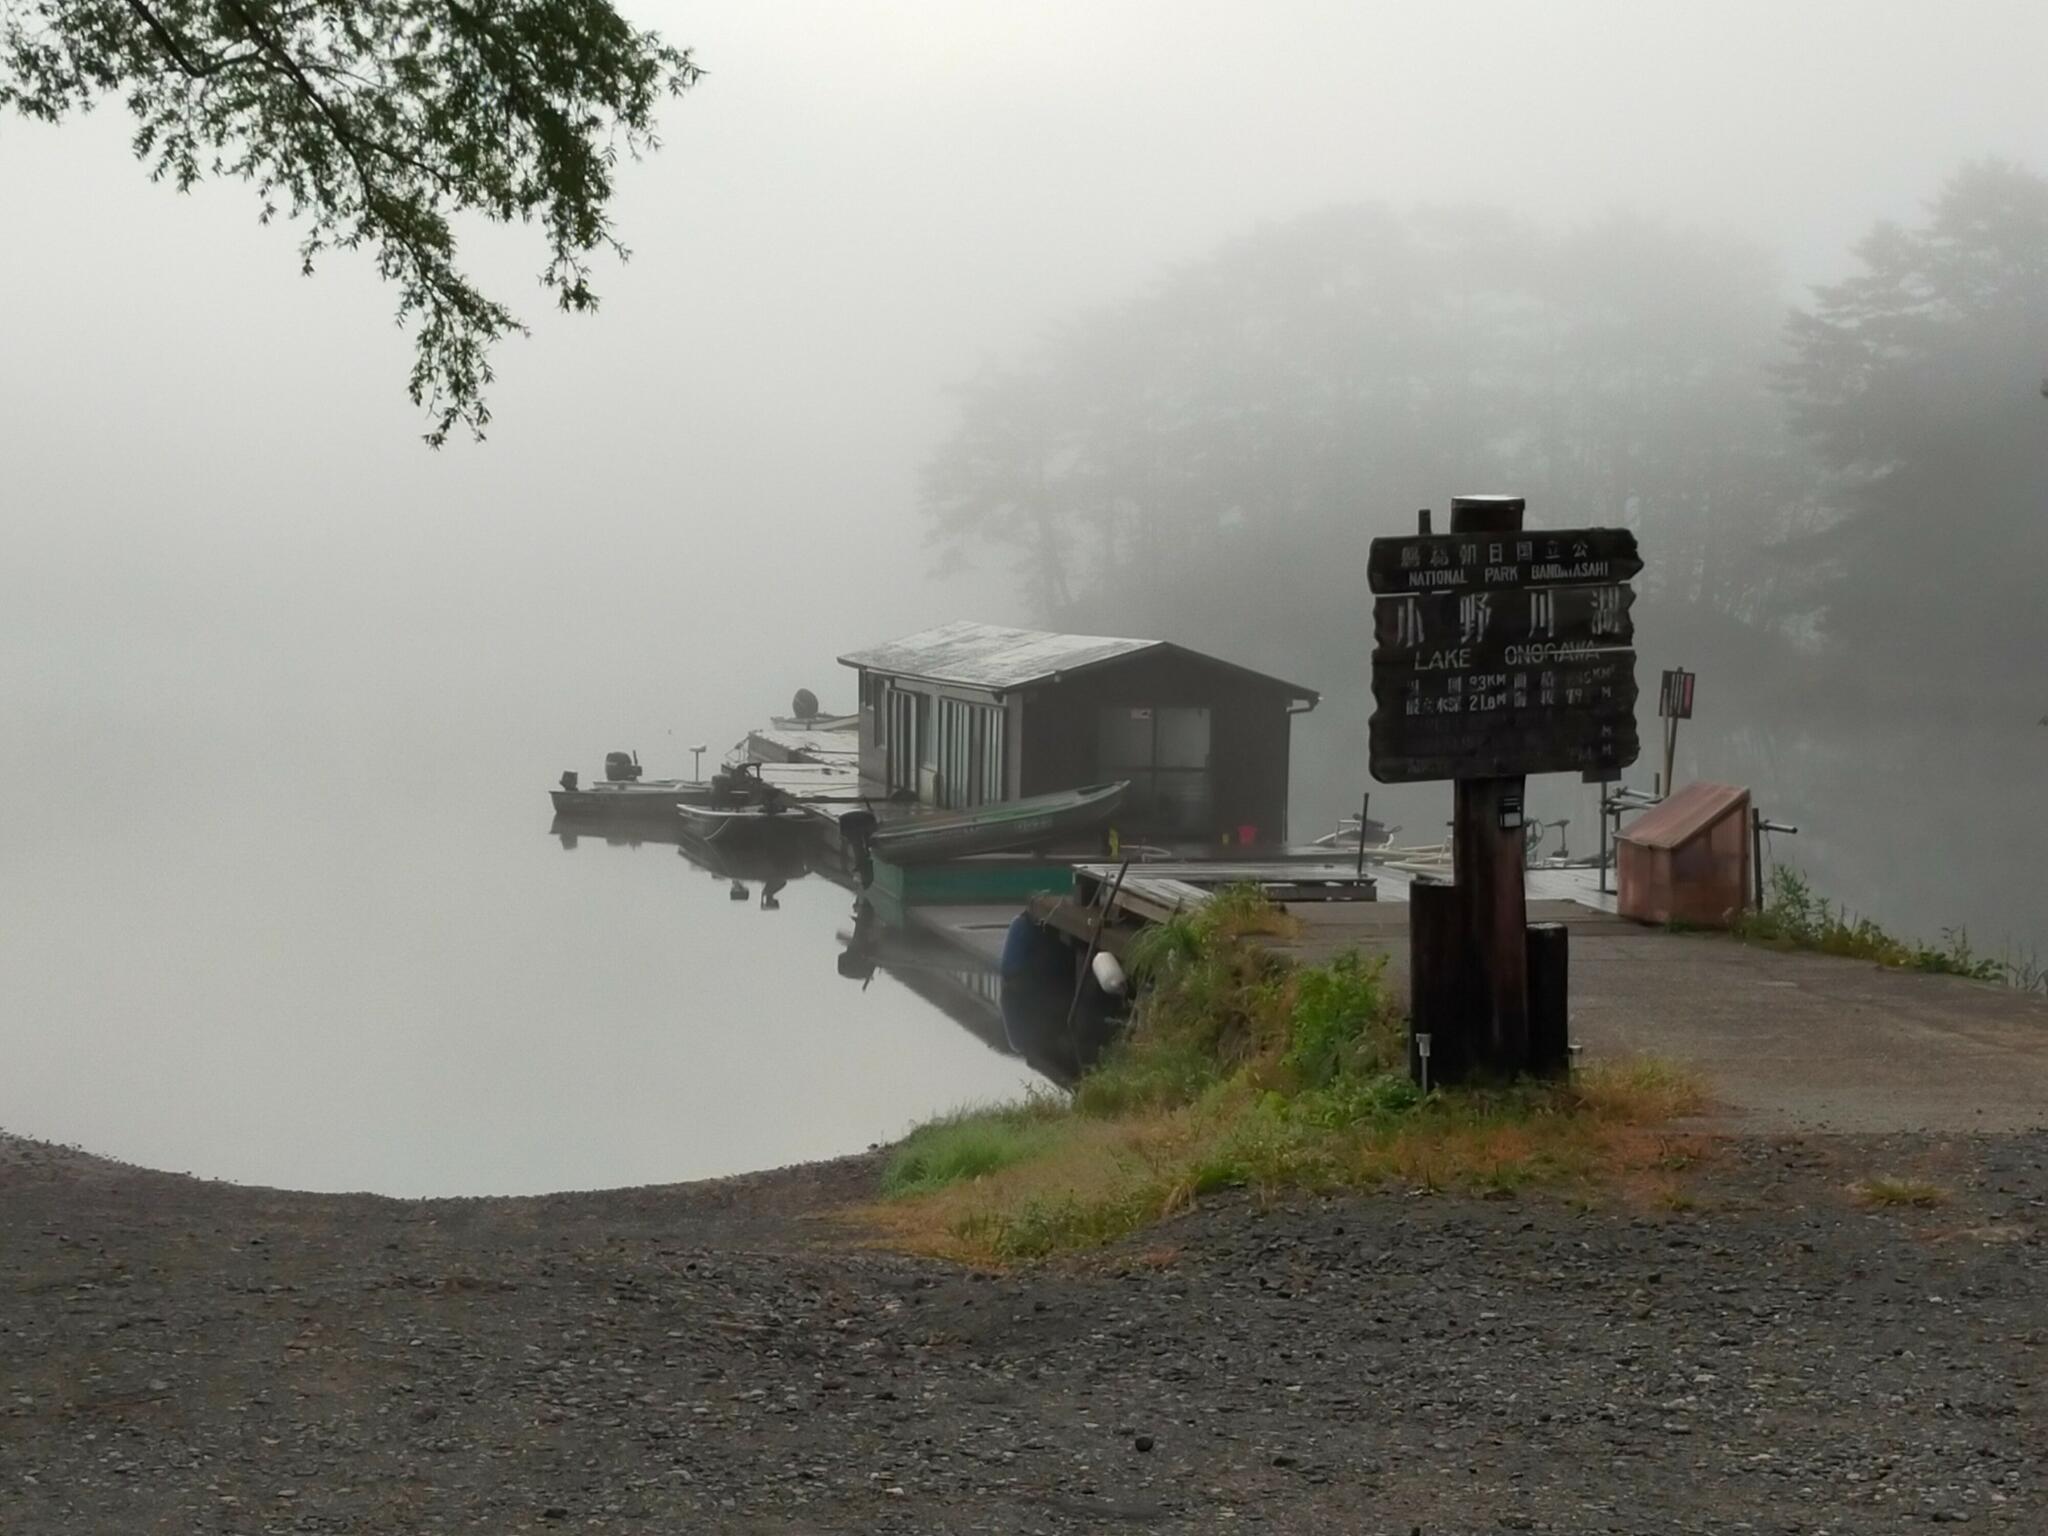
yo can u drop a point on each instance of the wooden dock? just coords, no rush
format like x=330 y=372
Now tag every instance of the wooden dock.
x=773 y=745
x=1158 y=891
x=1101 y=911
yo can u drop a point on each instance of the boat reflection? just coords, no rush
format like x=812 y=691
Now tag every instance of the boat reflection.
x=1026 y=1009
x=570 y=831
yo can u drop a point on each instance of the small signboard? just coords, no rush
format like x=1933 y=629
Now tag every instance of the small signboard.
x=1674 y=702
x=1503 y=654
x=1464 y=562
x=1504 y=742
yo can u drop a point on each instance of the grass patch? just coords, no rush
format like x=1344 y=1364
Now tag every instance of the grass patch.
x=1244 y=1070
x=970 y=1145
x=1916 y=1193
x=1642 y=1091
x=1794 y=916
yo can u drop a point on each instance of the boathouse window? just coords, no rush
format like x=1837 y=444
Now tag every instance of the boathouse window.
x=971 y=757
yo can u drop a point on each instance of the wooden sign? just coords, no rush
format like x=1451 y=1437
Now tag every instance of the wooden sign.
x=1514 y=626
x=1502 y=654
x=1557 y=718
x=1463 y=562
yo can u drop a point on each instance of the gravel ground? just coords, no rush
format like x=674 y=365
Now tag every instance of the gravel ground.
x=180 y=1356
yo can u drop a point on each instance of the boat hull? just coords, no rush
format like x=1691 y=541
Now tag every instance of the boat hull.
x=1037 y=822
x=746 y=825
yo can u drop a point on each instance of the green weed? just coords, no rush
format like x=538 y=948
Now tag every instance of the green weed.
x=970 y=1145
x=1918 y=1193
x=1795 y=916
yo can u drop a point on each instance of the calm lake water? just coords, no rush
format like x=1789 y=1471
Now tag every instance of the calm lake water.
x=423 y=992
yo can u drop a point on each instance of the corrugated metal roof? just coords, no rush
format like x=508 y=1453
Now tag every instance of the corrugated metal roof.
x=1684 y=815
x=989 y=655
x=995 y=657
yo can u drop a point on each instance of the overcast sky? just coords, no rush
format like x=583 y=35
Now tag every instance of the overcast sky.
x=214 y=481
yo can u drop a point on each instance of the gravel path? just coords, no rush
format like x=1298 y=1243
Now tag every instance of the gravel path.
x=178 y=1356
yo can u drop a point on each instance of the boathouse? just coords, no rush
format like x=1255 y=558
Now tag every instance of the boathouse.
x=967 y=714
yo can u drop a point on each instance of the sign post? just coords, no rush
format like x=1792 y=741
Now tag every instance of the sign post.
x=1498 y=653
x=1674 y=703
x=1486 y=848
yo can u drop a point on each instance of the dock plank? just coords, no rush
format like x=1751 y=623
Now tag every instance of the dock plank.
x=790 y=746
x=1158 y=890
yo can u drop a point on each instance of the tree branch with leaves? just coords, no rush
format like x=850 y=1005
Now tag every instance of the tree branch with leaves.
x=376 y=124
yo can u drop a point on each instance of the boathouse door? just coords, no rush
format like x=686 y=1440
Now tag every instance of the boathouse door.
x=1164 y=752
x=902 y=738
x=972 y=765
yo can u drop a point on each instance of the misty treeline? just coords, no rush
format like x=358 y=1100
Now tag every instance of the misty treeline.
x=1850 y=489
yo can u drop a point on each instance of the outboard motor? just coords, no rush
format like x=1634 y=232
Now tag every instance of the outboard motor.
x=621 y=767
x=569 y=781
x=855 y=828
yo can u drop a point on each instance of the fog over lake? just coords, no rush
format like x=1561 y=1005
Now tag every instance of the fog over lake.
x=283 y=689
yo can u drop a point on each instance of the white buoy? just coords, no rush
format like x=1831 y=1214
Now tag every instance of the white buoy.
x=1108 y=974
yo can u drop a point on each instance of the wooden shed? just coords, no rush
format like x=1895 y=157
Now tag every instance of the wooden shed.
x=966 y=714
x=1687 y=860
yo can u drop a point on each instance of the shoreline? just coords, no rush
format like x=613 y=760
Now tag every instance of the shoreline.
x=764 y=1194
x=43 y=1147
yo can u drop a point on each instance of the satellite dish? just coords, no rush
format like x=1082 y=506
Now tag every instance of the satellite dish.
x=805 y=705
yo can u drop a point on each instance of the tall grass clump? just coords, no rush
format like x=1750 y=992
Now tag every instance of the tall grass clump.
x=1795 y=916
x=1241 y=1068
x=1213 y=999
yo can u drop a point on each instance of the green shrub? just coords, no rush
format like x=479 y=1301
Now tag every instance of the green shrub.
x=1342 y=1025
x=1141 y=1074
x=1213 y=1000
